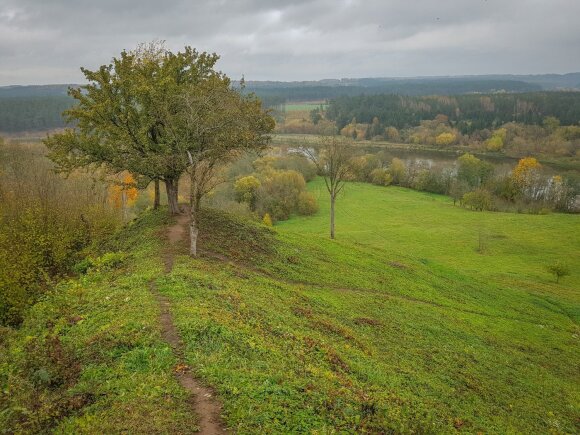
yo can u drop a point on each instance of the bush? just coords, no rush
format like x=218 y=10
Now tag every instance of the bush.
x=381 y=177
x=558 y=269
x=267 y=220
x=278 y=195
x=245 y=190
x=307 y=204
x=46 y=223
x=298 y=163
x=479 y=199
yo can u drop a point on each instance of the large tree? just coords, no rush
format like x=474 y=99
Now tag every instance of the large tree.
x=120 y=118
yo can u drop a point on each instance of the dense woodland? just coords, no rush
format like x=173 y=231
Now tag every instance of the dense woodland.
x=37 y=108
x=32 y=113
x=467 y=113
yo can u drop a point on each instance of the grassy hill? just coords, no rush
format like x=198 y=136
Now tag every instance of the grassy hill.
x=398 y=326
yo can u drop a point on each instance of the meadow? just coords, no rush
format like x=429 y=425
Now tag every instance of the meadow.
x=508 y=247
x=399 y=326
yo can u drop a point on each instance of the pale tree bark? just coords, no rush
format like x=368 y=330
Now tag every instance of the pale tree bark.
x=194 y=203
x=171 y=186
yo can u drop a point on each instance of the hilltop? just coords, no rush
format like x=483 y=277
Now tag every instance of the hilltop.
x=398 y=326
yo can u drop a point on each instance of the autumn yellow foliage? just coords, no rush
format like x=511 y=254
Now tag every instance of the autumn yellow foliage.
x=124 y=192
x=525 y=168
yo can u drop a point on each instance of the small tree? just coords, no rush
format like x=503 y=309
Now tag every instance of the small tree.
x=246 y=190
x=332 y=159
x=267 y=220
x=212 y=123
x=558 y=269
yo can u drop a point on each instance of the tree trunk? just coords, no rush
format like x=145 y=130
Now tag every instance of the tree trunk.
x=156 y=199
x=194 y=229
x=332 y=199
x=194 y=205
x=171 y=188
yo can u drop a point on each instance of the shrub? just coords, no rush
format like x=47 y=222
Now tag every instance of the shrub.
x=479 y=199
x=445 y=139
x=558 y=269
x=278 y=195
x=307 y=204
x=267 y=220
x=381 y=177
x=109 y=260
x=245 y=190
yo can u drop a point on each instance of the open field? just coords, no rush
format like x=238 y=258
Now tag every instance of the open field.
x=398 y=326
x=429 y=228
x=304 y=106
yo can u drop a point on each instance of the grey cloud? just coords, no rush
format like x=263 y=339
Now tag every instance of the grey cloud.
x=47 y=41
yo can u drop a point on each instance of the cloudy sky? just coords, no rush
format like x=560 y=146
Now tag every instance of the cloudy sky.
x=46 y=41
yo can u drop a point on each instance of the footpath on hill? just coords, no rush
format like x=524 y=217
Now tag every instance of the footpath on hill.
x=202 y=398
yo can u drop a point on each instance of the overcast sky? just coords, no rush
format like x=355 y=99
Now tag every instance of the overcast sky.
x=46 y=41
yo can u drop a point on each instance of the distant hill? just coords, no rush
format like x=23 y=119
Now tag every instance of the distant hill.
x=34 y=91
x=39 y=107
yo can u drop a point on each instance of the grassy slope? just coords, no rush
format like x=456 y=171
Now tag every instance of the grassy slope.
x=318 y=335
x=298 y=333
x=90 y=358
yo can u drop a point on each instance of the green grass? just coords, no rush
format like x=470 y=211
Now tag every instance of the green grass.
x=90 y=357
x=293 y=107
x=398 y=326
x=429 y=228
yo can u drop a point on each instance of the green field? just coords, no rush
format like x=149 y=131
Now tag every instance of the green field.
x=427 y=227
x=398 y=326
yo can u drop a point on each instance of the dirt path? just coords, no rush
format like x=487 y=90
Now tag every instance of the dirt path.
x=202 y=400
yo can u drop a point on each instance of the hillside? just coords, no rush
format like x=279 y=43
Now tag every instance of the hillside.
x=398 y=326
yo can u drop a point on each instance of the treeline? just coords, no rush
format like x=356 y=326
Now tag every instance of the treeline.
x=32 y=113
x=467 y=113
x=474 y=183
x=414 y=87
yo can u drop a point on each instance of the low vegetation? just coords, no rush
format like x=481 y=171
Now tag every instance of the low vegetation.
x=47 y=222
x=377 y=331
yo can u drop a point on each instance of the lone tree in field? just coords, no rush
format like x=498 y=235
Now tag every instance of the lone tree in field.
x=121 y=116
x=558 y=269
x=332 y=158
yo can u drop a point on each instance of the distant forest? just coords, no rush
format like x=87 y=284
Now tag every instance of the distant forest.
x=467 y=113
x=37 y=108
x=19 y=114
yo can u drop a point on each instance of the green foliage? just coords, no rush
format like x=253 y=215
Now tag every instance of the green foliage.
x=246 y=190
x=307 y=204
x=32 y=113
x=296 y=162
x=46 y=223
x=469 y=112
x=497 y=140
x=472 y=170
x=89 y=357
x=397 y=170
x=558 y=269
x=479 y=199
x=279 y=194
x=445 y=139
x=381 y=177
x=267 y=220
